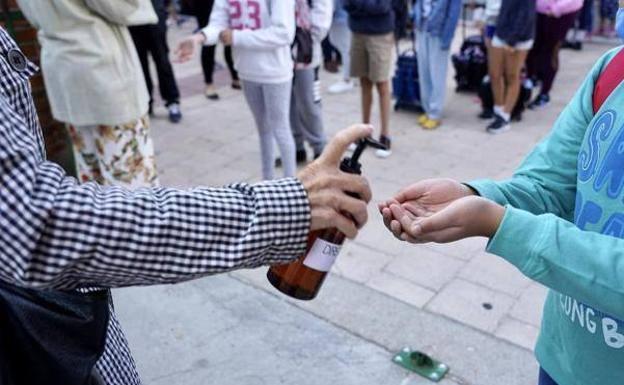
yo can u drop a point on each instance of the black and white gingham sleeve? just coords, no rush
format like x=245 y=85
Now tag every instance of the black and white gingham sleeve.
x=57 y=233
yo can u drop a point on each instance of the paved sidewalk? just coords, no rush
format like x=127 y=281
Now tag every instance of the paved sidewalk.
x=459 y=297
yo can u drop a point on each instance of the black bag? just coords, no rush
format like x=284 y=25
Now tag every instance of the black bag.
x=470 y=64
x=303 y=46
x=51 y=337
x=487 y=99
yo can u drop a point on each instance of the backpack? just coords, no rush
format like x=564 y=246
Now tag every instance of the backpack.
x=470 y=64
x=303 y=44
x=609 y=79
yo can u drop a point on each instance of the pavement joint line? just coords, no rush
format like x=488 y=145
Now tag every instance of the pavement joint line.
x=271 y=291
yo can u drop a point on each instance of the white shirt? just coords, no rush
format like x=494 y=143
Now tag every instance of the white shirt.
x=263 y=33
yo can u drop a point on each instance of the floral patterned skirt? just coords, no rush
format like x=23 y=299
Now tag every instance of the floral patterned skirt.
x=120 y=155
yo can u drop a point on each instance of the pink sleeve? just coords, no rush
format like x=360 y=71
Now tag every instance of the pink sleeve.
x=564 y=7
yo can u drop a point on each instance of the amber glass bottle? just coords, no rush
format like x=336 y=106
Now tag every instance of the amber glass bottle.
x=303 y=278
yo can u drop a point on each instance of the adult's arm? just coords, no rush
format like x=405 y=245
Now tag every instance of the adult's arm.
x=123 y=12
x=280 y=33
x=57 y=233
x=450 y=22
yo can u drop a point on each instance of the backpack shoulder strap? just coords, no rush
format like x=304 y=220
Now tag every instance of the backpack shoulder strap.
x=609 y=79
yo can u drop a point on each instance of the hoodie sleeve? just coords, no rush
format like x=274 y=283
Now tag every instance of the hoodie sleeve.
x=321 y=15
x=537 y=234
x=281 y=31
x=219 y=20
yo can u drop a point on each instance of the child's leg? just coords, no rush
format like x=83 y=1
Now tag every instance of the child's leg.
x=367 y=99
x=255 y=99
x=514 y=61
x=308 y=110
x=383 y=88
x=495 y=70
x=277 y=121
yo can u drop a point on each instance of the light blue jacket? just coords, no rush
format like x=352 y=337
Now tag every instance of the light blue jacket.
x=441 y=22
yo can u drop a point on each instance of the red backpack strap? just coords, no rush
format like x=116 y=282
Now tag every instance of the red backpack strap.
x=609 y=79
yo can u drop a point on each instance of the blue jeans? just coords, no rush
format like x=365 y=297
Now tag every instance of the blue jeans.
x=432 y=68
x=544 y=378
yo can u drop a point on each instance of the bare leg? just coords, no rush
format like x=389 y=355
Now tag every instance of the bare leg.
x=367 y=99
x=514 y=61
x=383 y=88
x=495 y=69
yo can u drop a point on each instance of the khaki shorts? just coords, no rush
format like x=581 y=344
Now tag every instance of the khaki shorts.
x=371 y=56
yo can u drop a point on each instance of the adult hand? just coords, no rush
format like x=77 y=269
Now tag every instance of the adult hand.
x=466 y=217
x=327 y=186
x=226 y=36
x=424 y=198
x=187 y=47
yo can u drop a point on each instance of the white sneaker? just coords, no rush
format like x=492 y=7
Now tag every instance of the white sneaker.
x=341 y=87
x=383 y=154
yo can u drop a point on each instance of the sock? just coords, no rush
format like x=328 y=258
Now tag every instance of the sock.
x=505 y=115
x=499 y=110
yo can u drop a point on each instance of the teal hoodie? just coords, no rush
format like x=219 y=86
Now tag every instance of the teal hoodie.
x=563 y=226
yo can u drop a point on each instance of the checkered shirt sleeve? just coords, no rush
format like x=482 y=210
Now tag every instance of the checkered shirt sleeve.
x=56 y=233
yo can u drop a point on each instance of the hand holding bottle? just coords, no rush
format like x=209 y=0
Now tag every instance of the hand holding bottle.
x=327 y=186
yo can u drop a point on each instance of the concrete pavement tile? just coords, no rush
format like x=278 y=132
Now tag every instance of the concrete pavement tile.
x=496 y=273
x=401 y=289
x=518 y=332
x=465 y=249
x=466 y=302
x=529 y=306
x=359 y=263
x=425 y=267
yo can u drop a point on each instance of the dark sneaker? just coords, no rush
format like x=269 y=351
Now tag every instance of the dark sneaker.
x=540 y=102
x=499 y=125
x=175 y=115
x=487 y=114
x=386 y=142
x=301 y=158
x=150 y=110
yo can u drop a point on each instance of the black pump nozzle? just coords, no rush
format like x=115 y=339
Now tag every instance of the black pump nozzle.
x=352 y=164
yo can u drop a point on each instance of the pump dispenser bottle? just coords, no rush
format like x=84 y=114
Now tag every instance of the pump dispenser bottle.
x=303 y=278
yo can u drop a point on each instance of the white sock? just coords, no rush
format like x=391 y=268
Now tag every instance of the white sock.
x=505 y=115
x=499 y=109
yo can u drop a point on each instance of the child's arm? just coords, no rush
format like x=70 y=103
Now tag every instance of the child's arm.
x=280 y=33
x=219 y=21
x=546 y=180
x=321 y=15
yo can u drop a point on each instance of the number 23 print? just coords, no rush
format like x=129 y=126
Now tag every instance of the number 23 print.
x=251 y=10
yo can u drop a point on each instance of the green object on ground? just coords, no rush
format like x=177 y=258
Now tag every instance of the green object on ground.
x=421 y=363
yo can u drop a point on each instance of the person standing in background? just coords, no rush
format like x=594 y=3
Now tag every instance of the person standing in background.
x=202 y=10
x=435 y=22
x=373 y=24
x=96 y=87
x=306 y=114
x=340 y=37
x=554 y=19
x=608 y=10
x=513 y=38
x=152 y=39
x=260 y=33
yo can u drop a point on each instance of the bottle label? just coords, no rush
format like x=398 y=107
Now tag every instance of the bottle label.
x=322 y=255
